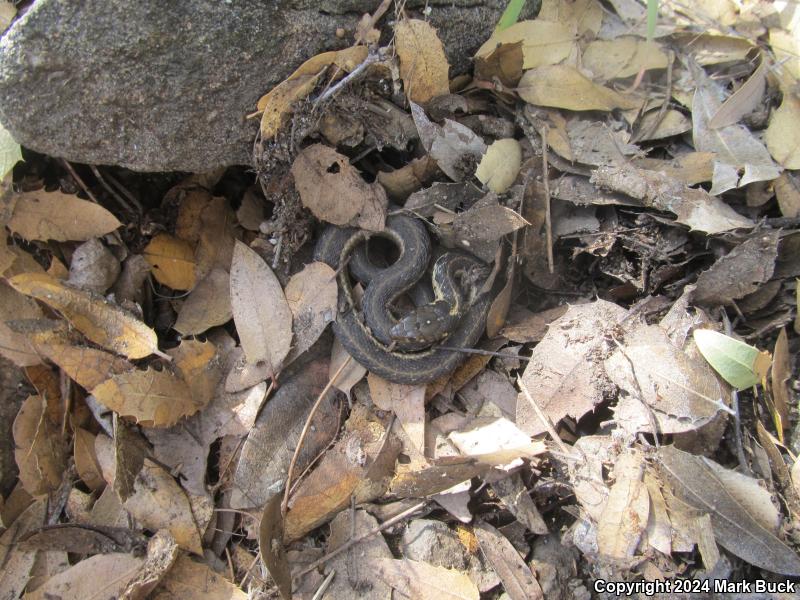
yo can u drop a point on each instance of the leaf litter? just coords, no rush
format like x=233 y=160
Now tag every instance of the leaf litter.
x=638 y=200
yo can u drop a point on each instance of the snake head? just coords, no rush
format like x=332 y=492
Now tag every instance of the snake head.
x=425 y=325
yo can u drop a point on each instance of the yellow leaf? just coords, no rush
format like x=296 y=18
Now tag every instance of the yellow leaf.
x=86 y=366
x=195 y=361
x=102 y=322
x=423 y=64
x=622 y=57
x=57 y=216
x=154 y=398
x=562 y=86
x=15 y=346
x=500 y=165
x=172 y=260
x=783 y=133
x=41 y=452
x=277 y=104
x=543 y=42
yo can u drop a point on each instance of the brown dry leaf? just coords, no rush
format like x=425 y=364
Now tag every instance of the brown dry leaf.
x=690 y=168
x=61 y=217
x=199 y=366
x=162 y=552
x=735 y=146
x=622 y=57
x=86 y=366
x=41 y=451
x=423 y=581
x=277 y=104
x=333 y=190
x=515 y=496
x=743 y=100
x=406 y=180
x=17 y=563
x=582 y=16
x=562 y=86
x=543 y=42
x=352 y=373
x=524 y=326
x=172 y=261
x=262 y=315
x=271 y=441
x=190 y=580
x=565 y=375
x=740 y=272
x=102 y=322
x=358 y=467
x=17 y=347
x=712 y=49
x=626 y=511
x=93 y=267
x=86 y=460
x=692 y=206
x=100 y=577
x=423 y=65
x=456 y=148
x=504 y=63
x=782 y=134
x=672 y=123
x=779 y=378
x=270 y=543
x=494 y=441
x=312 y=296
x=742 y=515
x=153 y=398
x=207 y=306
x=787 y=191
x=158 y=502
x=406 y=401
x=500 y=165
x=518 y=580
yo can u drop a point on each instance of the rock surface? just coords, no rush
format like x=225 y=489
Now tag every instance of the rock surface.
x=157 y=86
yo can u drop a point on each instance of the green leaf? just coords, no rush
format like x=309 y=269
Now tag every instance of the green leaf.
x=739 y=364
x=510 y=14
x=652 y=17
x=10 y=152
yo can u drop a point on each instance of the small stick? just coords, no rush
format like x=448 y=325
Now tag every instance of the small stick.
x=545 y=421
x=347 y=545
x=372 y=57
x=548 y=219
x=303 y=433
x=485 y=352
x=80 y=181
x=324 y=585
x=120 y=200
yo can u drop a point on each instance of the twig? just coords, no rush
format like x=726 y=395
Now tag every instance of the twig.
x=548 y=219
x=545 y=420
x=664 y=106
x=80 y=181
x=324 y=585
x=737 y=421
x=372 y=57
x=303 y=433
x=485 y=352
x=120 y=200
x=347 y=545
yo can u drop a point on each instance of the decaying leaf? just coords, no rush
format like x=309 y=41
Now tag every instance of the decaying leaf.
x=154 y=398
x=99 y=577
x=96 y=318
x=17 y=347
x=189 y=579
x=423 y=65
x=416 y=579
x=622 y=57
x=518 y=580
x=207 y=306
x=93 y=267
x=41 y=449
x=625 y=513
x=742 y=516
x=172 y=261
x=277 y=104
x=262 y=316
x=739 y=364
x=494 y=441
x=406 y=401
x=270 y=542
x=311 y=295
x=86 y=366
x=562 y=86
x=781 y=136
x=57 y=216
x=334 y=191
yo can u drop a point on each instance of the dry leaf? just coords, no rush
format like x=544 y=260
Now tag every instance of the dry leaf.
x=562 y=86
x=208 y=305
x=262 y=316
x=153 y=398
x=86 y=366
x=787 y=191
x=199 y=366
x=782 y=135
x=270 y=544
x=99 y=320
x=17 y=563
x=93 y=267
x=162 y=552
x=172 y=261
x=494 y=441
x=406 y=401
x=779 y=379
x=518 y=580
x=335 y=192
x=622 y=57
x=543 y=42
x=277 y=104
x=625 y=513
x=690 y=168
x=17 y=347
x=352 y=373
x=41 y=451
x=158 y=502
x=423 y=65
x=743 y=100
x=190 y=580
x=422 y=581
x=100 y=577
x=86 y=460
x=500 y=165
x=312 y=296
x=61 y=217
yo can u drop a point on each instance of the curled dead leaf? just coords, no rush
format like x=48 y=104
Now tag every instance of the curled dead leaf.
x=423 y=64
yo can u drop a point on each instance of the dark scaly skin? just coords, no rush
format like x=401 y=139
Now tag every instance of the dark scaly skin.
x=411 y=367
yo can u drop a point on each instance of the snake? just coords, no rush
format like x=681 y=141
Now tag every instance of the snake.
x=405 y=350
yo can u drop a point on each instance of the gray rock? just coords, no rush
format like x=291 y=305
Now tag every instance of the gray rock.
x=157 y=86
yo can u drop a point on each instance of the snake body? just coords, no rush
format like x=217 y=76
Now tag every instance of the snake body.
x=373 y=337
